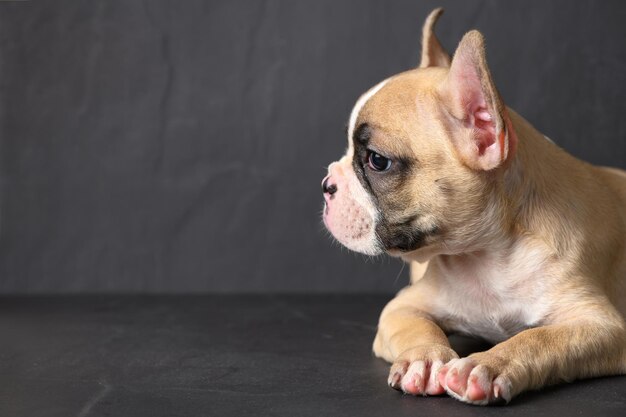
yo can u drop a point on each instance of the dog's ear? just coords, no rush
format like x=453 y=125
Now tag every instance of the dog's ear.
x=483 y=137
x=433 y=54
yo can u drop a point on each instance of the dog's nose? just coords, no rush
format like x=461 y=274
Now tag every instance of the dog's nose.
x=327 y=187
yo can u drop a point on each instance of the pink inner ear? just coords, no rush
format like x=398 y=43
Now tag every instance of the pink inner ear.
x=471 y=105
x=473 y=100
x=485 y=129
x=484 y=121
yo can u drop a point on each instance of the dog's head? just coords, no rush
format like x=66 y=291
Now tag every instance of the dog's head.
x=425 y=151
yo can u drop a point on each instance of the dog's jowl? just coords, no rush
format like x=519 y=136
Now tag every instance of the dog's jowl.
x=509 y=237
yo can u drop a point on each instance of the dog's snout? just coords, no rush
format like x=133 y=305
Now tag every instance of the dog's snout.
x=328 y=187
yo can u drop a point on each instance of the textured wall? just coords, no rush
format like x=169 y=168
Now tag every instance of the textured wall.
x=179 y=146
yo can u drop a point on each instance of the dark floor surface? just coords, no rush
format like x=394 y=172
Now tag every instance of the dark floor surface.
x=227 y=356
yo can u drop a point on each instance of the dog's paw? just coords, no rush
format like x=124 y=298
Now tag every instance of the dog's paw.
x=473 y=382
x=415 y=370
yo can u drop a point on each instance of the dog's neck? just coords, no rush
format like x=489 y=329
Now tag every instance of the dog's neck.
x=538 y=188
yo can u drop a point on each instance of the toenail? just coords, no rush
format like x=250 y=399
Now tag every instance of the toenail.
x=395 y=380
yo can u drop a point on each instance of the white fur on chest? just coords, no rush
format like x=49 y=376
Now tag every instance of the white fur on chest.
x=493 y=296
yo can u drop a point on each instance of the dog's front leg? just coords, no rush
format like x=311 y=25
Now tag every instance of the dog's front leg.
x=413 y=342
x=591 y=345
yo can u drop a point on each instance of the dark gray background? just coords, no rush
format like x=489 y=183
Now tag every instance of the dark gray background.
x=179 y=146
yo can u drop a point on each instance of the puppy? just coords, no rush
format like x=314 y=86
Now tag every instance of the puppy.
x=509 y=237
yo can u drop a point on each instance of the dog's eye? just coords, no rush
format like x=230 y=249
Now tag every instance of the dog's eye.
x=378 y=162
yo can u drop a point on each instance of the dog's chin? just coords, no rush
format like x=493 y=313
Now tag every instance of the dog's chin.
x=364 y=248
x=370 y=247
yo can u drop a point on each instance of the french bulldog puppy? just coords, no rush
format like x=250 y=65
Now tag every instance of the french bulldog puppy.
x=509 y=237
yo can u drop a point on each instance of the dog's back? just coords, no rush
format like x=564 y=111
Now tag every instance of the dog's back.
x=616 y=181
